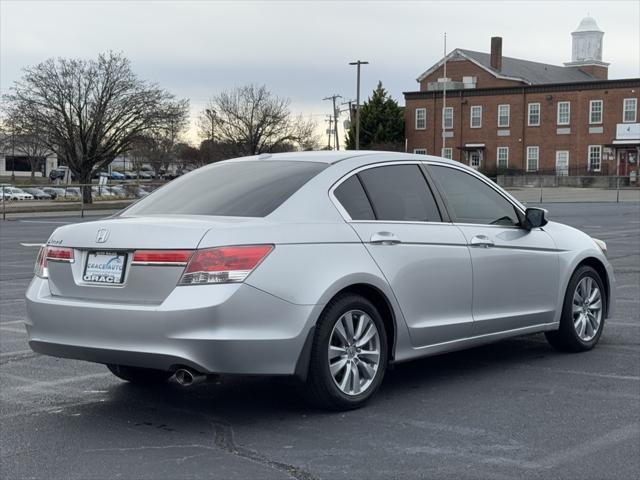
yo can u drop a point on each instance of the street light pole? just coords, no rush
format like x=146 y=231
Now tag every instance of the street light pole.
x=358 y=63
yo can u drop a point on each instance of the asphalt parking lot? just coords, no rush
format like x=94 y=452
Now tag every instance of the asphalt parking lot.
x=514 y=409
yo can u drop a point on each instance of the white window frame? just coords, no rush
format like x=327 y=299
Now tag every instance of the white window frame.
x=506 y=157
x=558 y=120
x=476 y=108
x=508 y=115
x=424 y=119
x=471 y=154
x=594 y=148
x=558 y=152
x=445 y=151
x=624 y=110
x=444 y=116
x=529 y=123
x=533 y=148
x=591 y=112
x=420 y=151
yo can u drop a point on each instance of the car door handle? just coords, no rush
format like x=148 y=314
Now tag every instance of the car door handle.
x=481 y=241
x=384 y=238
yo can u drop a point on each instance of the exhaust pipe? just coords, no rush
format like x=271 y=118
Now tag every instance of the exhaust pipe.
x=187 y=377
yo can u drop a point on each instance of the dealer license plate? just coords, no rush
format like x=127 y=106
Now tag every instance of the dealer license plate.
x=105 y=267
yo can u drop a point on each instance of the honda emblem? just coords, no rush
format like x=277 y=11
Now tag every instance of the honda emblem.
x=102 y=235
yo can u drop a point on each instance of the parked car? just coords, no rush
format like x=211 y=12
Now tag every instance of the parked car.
x=101 y=191
x=117 y=176
x=130 y=174
x=327 y=266
x=118 y=191
x=54 y=192
x=72 y=192
x=145 y=175
x=38 y=193
x=14 y=193
x=60 y=173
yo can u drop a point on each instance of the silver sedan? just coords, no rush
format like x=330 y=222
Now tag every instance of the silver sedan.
x=327 y=266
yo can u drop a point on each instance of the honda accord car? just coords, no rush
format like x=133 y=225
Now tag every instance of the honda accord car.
x=327 y=266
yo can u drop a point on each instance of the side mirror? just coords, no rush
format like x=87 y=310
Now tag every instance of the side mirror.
x=534 y=218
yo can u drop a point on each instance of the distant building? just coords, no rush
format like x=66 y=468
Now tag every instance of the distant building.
x=14 y=161
x=513 y=115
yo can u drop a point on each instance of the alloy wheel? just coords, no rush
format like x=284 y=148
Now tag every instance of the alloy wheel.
x=354 y=352
x=587 y=309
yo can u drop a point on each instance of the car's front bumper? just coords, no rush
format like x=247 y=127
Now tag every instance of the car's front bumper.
x=234 y=328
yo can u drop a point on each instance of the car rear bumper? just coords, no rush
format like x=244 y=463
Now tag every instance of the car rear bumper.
x=233 y=329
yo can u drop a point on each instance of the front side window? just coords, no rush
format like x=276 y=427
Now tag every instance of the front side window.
x=630 y=107
x=595 y=111
x=233 y=189
x=502 y=157
x=354 y=200
x=534 y=114
x=447 y=117
x=564 y=113
x=533 y=159
x=400 y=193
x=476 y=116
x=447 y=152
x=421 y=118
x=595 y=158
x=504 y=112
x=470 y=200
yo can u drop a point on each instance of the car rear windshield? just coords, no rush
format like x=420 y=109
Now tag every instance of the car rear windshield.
x=234 y=189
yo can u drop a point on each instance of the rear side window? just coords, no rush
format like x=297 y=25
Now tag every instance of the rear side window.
x=236 y=189
x=471 y=200
x=400 y=193
x=352 y=197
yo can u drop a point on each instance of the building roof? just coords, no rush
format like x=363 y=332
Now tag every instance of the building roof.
x=525 y=71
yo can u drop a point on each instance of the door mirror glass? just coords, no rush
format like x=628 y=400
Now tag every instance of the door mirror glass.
x=534 y=218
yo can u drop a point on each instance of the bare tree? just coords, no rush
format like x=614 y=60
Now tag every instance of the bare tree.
x=89 y=110
x=165 y=137
x=24 y=139
x=251 y=120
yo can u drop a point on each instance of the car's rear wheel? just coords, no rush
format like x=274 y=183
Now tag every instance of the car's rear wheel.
x=141 y=376
x=349 y=354
x=583 y=313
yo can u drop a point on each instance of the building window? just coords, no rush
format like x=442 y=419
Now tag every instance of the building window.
x=562 y=163
x=504 y=112
x=533 y=159
x=421 y=118
x=595 y=158
x=564 y=113
x=420 y=151
x=502 y=157
x=447 y=117
x=630 y=107
x=595 y=111
x=447 y=152
x=476 y=116
x=534 y=114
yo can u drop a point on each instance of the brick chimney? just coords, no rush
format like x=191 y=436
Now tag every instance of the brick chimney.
x=496 y=53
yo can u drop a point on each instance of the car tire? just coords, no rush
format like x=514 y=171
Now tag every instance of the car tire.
x=362 y=357
x=140 y=376
x=582 y=319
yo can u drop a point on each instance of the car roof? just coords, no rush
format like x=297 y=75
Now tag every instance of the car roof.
x=333 y=157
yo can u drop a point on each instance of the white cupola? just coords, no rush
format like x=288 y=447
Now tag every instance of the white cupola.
x=587 y=43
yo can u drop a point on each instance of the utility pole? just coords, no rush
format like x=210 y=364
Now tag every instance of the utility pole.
x=358 y=63
x=444 y=95
x=336 y=114
x=329 y=132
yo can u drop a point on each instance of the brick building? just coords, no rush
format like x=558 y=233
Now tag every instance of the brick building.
x=509 y=115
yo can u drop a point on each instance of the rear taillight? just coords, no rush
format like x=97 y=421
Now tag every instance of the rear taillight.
x=161 y=257
x=223 y=264
x=51 y=254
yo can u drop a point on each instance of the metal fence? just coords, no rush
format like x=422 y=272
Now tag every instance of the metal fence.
x=43 y=198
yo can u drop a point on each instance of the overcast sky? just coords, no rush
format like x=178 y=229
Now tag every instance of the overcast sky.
x=301 y=49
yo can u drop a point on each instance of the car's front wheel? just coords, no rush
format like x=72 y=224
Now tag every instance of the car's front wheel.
x=349 y=354
x=583 y=312
x=141 y=376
